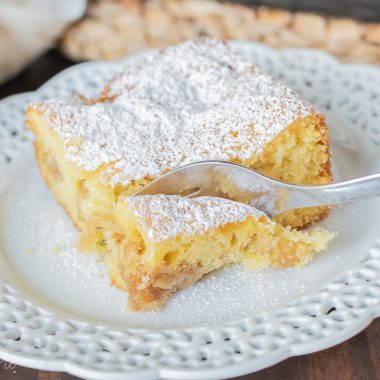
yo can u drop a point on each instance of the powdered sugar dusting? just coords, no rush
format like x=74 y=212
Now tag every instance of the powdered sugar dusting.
x=165 y=216
x=194 y=101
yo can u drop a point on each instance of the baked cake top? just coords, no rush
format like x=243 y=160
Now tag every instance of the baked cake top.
x=166 y=216
x=190 y=102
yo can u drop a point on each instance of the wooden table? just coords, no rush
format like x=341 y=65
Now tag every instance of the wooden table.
x=356 y=359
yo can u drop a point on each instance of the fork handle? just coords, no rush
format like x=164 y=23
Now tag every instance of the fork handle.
x=335 y=193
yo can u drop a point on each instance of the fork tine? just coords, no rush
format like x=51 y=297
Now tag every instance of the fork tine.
x=190 y=180
x=219 y=179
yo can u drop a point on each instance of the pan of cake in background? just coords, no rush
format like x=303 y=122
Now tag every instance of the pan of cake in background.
x=112 y=29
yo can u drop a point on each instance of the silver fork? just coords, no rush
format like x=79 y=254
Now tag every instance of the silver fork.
x=229 y=180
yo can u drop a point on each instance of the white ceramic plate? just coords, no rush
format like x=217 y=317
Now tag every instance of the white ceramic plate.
x=58 y=311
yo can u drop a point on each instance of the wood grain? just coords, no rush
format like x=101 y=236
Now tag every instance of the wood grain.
x=356 y=359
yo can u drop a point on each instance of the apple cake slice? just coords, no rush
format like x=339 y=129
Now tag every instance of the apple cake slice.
x=195 y=101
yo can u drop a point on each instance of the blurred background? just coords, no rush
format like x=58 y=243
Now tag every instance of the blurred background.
x=40 y=37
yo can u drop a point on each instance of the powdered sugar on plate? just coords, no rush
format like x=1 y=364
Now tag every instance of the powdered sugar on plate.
x=195 y=101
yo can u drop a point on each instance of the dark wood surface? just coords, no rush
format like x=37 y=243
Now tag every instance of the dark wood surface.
x=356 y=359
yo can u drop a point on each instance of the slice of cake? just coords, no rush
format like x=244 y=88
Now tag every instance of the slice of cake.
x=161 y=244
x=195 y=101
